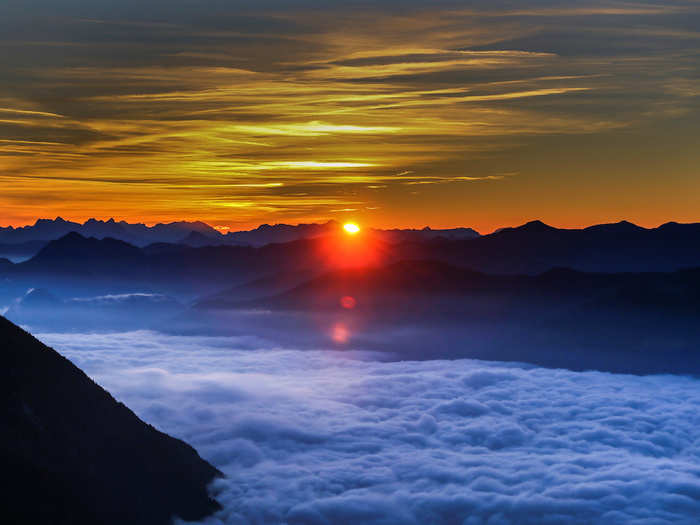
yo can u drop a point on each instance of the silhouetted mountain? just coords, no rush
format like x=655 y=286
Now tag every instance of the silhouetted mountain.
x=424 y=280
x=365 y=285
x=672 y=229
x=196 y=233
x=41 y=230
x=262 y=287
x=282 y=233
x=198 y=271
x=137 y=234
x=44 y=229
x=618 y=228
x=426 y=234
x=532 y=227
x=404 y=284
x=71 y=454
x=197 y=240
x=75 y=254
x=173 y=231
x=536 y=247
x=77 y=265
x=631 y=322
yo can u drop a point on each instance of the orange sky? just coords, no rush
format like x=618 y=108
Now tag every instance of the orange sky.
x=398 y=114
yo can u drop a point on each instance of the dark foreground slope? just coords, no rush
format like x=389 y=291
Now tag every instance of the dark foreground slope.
x=70 y=453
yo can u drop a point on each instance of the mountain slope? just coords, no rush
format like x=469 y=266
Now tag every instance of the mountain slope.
x=75 y=254
x=70 y=453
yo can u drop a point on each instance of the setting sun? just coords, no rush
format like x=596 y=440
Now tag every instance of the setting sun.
x=351 y=228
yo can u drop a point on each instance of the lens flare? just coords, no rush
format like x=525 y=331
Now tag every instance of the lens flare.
x=351 y=228
x=348 y=302
x=340 y=333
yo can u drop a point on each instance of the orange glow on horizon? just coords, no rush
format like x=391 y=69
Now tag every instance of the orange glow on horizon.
x=349 y=249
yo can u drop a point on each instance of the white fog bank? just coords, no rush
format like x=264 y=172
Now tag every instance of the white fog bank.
x=316 y=438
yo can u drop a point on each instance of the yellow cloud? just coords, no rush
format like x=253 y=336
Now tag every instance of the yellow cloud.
x=301 y=124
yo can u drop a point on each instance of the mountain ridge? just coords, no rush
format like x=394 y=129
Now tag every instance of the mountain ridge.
x=92 y=459
x=529 y=249
x=199 y=234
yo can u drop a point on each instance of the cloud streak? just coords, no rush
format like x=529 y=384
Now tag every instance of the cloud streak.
x=245 y=98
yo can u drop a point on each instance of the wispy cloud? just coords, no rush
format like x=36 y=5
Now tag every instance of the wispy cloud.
x=29 y=112
x=155 y=114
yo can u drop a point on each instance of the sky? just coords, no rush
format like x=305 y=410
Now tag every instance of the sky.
x=316 y=438
x=393 y=114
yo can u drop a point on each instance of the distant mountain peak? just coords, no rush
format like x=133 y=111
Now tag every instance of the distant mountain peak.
x=75 y=253
x=623 y=226
x=57 y=220
x=99 y=221
x=628 y=225
x=72 y=237
x=535 y=226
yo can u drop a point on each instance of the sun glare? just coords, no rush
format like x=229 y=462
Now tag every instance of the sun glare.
x=351 y=228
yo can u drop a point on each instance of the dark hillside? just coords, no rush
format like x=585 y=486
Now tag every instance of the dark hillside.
x=71 y=454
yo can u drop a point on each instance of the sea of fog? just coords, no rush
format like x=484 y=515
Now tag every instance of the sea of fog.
x=326 y=437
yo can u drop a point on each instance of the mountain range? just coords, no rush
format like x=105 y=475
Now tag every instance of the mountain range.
x=531 y=248
x=522 y=293
x=191 y=233
x=528 y=249
x=536 y=247
x=137 y=234
x=624 y=322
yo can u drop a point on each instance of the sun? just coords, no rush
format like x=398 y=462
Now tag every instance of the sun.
x=351 y=228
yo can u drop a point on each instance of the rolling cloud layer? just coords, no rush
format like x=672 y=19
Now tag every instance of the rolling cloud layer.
x=325 y=437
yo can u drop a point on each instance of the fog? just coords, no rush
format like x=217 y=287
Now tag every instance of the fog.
x=320 y=437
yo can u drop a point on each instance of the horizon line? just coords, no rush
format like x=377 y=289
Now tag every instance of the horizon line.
x=223 y=230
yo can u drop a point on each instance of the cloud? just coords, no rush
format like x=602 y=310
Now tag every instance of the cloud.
x=220 y=102
x=29 y=112
x=316 y=437
x=138 y=297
